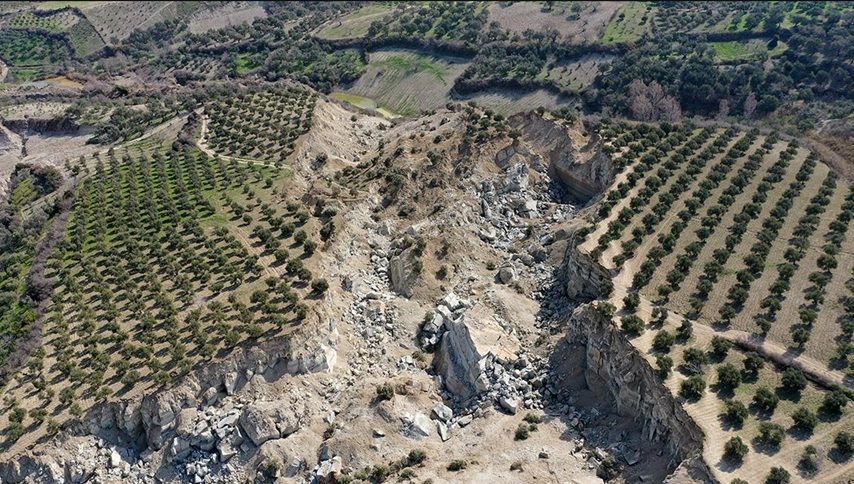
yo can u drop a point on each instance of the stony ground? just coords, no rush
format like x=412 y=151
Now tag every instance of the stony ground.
x=479 y=376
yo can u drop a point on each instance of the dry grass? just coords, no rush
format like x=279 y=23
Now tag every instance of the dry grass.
x=580 y=20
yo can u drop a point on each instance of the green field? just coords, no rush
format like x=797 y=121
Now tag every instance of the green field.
x=406 y=82
x=84 y=38
x=629 y=25
x=745 y=50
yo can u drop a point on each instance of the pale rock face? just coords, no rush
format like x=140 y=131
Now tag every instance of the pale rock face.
x=263 y=421
x=419 y=426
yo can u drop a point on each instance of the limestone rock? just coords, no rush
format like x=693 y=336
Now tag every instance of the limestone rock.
x=419 y=426
x=509 y=404
x=263 y=421
x=507 y=274
x=442 y=412
x=329 y=470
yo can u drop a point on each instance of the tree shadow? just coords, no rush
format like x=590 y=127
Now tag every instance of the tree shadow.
x=839 y=457
x=762 y=447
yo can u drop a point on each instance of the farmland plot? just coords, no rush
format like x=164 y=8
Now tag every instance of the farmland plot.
x=736 y=243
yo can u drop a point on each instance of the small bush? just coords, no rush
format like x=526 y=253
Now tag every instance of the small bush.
x=765 y=400
x=844 y=442
x=457 y=465
x=522 y=432
x=777 y=475
x=385 y=392
x=533 y=419
x=804 y=419
x=663 y=341
x=771 y=434
x=632 y=325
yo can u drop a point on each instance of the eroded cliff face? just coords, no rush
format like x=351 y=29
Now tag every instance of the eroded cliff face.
x=585 y=278
x=157 y=422
x=576 y=159
x=613 y=363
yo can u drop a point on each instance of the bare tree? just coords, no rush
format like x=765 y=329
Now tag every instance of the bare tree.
x=650 y=103
x=642 y=108
x=750 y=105
x=723 y=109
x=670 y=110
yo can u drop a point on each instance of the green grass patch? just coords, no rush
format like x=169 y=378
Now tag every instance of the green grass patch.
x=629 y=25
x=746 y=50
x=415 y=65
x=24 y=193
x=246 y=63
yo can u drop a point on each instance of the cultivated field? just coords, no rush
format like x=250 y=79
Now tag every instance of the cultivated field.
x=731 y=245
x=115 y=21
x=262 y=125
x=580 y=20
x=355 y=24
x=579 y=73
x=407 y=82
x=630 y=23
x=170 y=258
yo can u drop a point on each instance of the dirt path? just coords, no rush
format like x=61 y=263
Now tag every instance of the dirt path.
x=202 y=145
x=244 y=238
x=815 y=370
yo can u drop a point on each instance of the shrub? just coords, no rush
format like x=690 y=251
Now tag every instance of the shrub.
x=533 y=419
x=720 y=346
x=663 y=341
x=685 y=330
x=765 y=400
x=771 y=433
x=692 y=388
x=457 y=465
x=844 y=442
x=807 y=462
x=778 y=475
x=734 y=412
x=632 y=325
x=385 y=392
x=319 y=286
x=695 y=358
x=522 y=432
x=728 y=377
x=753 y=363
x=735 y=449
x=804 y=419
x=631 y=302
x=416 y=457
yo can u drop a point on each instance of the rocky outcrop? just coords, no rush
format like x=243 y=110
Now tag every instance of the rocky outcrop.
x=55 y=125
x=613 y=363
x=577 y=161
x=268 y=420
x=173 y=419
x=585 y=278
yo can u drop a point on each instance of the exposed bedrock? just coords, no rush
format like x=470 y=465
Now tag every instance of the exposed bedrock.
x=577 y=161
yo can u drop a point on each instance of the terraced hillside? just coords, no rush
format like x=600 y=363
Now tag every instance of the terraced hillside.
x=732 y=261
x=170 y=258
